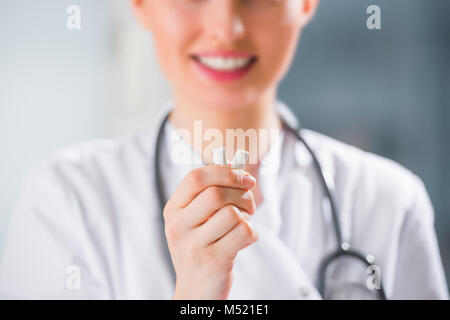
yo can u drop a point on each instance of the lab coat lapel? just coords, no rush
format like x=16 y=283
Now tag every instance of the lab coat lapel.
x=268 y=269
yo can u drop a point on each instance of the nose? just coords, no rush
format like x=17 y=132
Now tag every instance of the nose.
x=222 y=22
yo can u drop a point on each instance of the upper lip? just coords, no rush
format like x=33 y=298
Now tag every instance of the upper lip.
x=224 y=54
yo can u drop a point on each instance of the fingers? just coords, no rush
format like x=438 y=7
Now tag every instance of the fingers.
x=214 y=198
x=222 y=222
x=240 y=237
x=199 y=179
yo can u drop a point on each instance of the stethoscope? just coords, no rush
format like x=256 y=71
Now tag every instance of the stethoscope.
x=343 y=249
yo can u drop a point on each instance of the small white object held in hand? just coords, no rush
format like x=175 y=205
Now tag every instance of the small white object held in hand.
x=220 y=156
x=240 y=158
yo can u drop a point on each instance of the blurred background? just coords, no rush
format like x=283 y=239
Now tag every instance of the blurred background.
x=386 y=91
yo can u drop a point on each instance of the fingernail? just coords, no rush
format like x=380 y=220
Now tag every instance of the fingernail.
x=240 y=158
x=248 y=181
x=249 y=195
x=254 y=230
x=219 y=156
x=245 y=178
x=242 y=214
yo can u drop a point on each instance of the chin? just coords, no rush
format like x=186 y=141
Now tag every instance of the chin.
x=229 y=101
x=229 y=98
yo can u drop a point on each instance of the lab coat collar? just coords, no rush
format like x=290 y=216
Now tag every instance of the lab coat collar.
x=290 y=275
x=301 y=155
x=270 y=163
x=287 y=115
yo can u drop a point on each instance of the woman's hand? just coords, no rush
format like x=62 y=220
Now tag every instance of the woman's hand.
x=206 y=225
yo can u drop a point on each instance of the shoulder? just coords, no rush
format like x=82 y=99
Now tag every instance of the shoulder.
x=374 y=178
x=91 y=162
x=93 y=176
x=356 y=159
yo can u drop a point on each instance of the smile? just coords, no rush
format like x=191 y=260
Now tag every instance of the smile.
x=225 y=66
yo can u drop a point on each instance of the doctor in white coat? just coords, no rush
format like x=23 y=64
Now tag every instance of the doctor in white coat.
x=89 y=222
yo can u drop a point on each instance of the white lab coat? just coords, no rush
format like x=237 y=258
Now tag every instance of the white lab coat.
x=94 y=206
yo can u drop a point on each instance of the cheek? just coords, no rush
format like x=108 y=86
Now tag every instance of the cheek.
x=277 y=47
x=278 y=41
x=172 y=33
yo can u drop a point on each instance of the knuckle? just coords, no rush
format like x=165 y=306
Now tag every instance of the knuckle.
x=195 y=177
x=245 y=230
x=215 y=194
x=233 y=176
x=232 y=215
x=172 y=230
x=248 y=199
x=166 y=212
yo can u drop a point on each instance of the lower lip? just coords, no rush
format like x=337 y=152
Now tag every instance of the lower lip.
x=224 y=75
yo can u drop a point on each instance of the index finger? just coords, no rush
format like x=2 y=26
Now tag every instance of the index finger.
x=199 y=179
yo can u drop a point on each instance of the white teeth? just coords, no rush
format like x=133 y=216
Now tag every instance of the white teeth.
x=224 y=63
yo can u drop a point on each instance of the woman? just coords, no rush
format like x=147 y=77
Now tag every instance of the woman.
x=88 y=222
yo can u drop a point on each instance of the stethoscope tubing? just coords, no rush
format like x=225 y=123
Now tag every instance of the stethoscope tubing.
x=342 y=247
